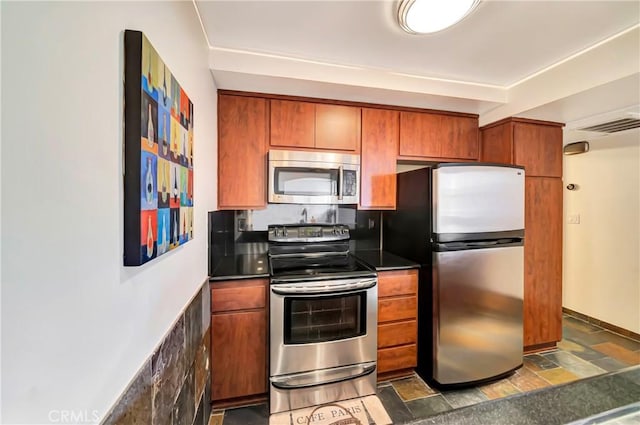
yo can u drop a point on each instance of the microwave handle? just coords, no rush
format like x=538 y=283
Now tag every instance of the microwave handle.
x=340 y=182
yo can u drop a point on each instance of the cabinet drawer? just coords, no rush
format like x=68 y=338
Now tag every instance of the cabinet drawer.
x=397 y=358
x=393 y=334
x=241 y=297
x=402 y=308
x=402 y=282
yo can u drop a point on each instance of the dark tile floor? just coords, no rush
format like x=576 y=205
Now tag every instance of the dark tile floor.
x=586 y=350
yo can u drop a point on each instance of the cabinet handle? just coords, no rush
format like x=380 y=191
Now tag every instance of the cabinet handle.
x=340 y=182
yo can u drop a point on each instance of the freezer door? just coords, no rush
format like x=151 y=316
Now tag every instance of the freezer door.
x=477 y=301
x=477 y=199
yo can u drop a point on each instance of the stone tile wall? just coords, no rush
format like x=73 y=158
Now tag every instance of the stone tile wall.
x=173 y=386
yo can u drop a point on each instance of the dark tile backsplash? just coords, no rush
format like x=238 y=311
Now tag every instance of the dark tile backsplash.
x=245 y=231
x=221 y=233
x=171 y=387
x=366 y=232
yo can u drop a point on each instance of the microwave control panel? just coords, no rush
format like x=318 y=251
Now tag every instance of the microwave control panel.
x=350 y=184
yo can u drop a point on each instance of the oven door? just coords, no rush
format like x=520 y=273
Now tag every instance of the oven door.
x=299 y=182
x=323 y=324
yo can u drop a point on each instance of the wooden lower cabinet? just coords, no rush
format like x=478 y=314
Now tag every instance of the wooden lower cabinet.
x=238 y=354
x=238 y=340
x=397 y=322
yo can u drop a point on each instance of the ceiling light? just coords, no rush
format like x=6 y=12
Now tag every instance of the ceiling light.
x=427 y=16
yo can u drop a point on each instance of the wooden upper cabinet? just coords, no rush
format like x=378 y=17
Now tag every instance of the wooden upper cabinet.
x=337 y=127
x=296 y=124
x=380 y=132
x=292 y=124
x=536 y=145
x=538 y=148
x=242 y=152
x=543 y=261
x=430 y=135
x=459 y=137
x=419 y=134
x=496 y=144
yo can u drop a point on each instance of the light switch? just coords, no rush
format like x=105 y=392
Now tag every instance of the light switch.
x=574 y=219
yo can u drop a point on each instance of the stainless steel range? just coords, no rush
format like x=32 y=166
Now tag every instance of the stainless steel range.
x=323 y=318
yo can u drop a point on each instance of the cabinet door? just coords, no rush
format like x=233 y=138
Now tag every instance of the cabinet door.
x=538 y=148
x=238 y=353
x=292 y=124
x=438 y=136
x=380 y=131
x=420 y=134
x=337 y=127
x=459 y=136
x=242 y=152
x=543 y=261
x=497 y=144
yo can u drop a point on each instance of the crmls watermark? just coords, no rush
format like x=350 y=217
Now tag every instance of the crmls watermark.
x=73 y=416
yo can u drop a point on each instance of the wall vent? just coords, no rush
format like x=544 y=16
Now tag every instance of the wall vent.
x=614 y=126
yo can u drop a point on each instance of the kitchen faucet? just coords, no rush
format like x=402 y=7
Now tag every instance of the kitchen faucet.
x=304 y=215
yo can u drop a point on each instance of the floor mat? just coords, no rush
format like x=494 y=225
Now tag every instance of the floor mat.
x=357 y=411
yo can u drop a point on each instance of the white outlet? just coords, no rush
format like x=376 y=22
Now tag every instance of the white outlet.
x=574 y=219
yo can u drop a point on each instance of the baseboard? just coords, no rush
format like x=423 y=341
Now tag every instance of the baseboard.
x=240 y=401
x=396 y=374
x=597 y=322
x=540 y=347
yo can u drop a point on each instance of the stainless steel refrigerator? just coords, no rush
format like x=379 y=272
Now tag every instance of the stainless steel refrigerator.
x=464 y=224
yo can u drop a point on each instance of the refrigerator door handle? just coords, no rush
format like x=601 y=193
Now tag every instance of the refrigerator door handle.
x=484 y=243
x=464 y=245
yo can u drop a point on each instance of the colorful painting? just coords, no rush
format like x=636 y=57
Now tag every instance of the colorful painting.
x=158 y=155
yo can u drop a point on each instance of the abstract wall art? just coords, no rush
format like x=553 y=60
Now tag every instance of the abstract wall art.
x=158 y=155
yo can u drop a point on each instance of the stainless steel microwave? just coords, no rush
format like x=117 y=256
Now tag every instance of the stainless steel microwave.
x=299 y=177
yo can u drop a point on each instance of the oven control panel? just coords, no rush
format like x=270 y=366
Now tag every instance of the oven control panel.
x=308 y=233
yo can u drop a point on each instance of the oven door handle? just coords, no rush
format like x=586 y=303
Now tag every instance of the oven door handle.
x=297 y=289
x=306 y=380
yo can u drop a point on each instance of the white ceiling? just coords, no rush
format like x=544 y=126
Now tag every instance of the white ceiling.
x=494 y=62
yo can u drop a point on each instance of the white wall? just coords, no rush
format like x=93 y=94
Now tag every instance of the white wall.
x=76 y=324
x=602 y=253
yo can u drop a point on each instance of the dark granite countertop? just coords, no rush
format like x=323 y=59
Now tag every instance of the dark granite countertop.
x=561 y=404
x=384 y=261
x=241 y=266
